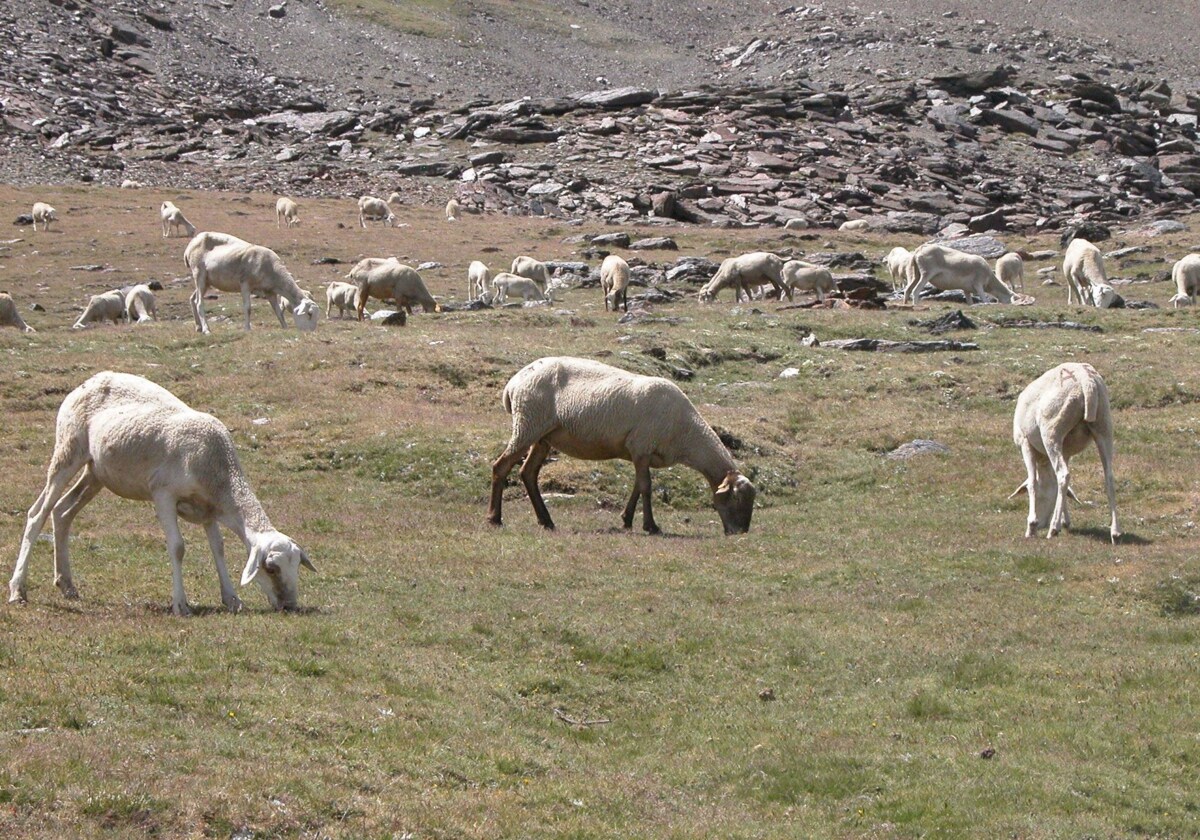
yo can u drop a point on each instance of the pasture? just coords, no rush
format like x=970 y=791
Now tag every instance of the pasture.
x=883 y=655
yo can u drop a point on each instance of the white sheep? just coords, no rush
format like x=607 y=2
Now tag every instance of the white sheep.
x=1010 y=269
x=798 y=275
x=109 y=306
x=228 y=264
x=287 y=213
x=375 y=210
x=1104 y=296
x=452 y=208
x=140 y=304
x=392 y=280
x=395 y=198
x=1056 y=416
x=343 y=296
x=743 y=272
x=1083 y=265
x=505 y=284
x=173 y=221
x=596 y=412
x=614 y=281
x=532 y=269
x=1186 y=276
x=45 y=214
x=479 y=279
x=896 y=262
x=9 y=316
x=130 y=184
x=140 y=441
x=854 y=225
x=945 y=269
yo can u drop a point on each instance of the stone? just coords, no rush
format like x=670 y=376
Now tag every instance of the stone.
x=654 y=243
x=278 y=11
x=988 y=247
x=918 y=447
x=617 y=240
x=1011 y=120
x=626 y=97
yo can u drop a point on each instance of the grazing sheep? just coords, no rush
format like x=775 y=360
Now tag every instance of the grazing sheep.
x=945 y=268
x=343 y=296
x=109 y=306
x=1083 y=265
x=9 y=316
x=140 y=304
x=173 y=220
x=854 y=224
x=1186 y=276
x=287 y=213
x=1056 y=416
x=806 y=277
x=614 y=281
x=479 y=279
x=142 y=442
x=897 y=262
x=392 y=280
x=130 y=184
x=1010 y=269
x=596 y=412
x=452 y=208
x=1104 y=296
x=532 y=269
x=44 y=213
x=228 y=264
x=375 y=210
x=504 y=284
x=394 y=198
x=743 y=272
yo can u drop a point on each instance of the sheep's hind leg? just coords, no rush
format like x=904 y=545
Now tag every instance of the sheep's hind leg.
x=501 y=467
x=1062 y=474
x=216 y=544
x=1030 y=458
x=62 y=515
x=641 y=487
x=164 y=506
x=56 y=482
x=1104 y=447
x=529 y=476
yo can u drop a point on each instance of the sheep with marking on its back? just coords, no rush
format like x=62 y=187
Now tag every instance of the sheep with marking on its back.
x=596 y=412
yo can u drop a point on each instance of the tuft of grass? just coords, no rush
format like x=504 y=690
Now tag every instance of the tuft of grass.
x=1177 y=596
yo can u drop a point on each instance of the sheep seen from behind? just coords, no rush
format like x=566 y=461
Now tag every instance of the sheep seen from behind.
x=1185 y=274
x=479 y=279
x=287 y=213
x=614 y=282
x=1083 y=266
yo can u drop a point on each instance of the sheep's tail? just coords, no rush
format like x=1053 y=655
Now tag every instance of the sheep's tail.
x=506 y=399
x=1091 y=394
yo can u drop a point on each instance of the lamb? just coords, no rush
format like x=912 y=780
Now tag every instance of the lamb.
x=896 y=263
x=44 y=213
x=287 y=213
x=806 y=277
x=614 y=281
x=596 y=412
x=173 y=219
x=452 y=208
x=9 y=316
x=142 y=442
x=479 y=279
x=1056 y=416
x=504 y=284
x=375 y=210
x=109 y=306
x=1083 y=265
x=1186 y=276
x=532 y=269
x=140 y=304
x=343 y=296
x=945 y=268
x=228 y=264
x=1010 y=269
x=392 y=280
x=741 y=272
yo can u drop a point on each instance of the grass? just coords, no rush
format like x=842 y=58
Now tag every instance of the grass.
x=902 y=624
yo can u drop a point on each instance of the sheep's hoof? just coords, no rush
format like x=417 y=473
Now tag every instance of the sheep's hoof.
x=1115 y=535
x=494 y=520
x=233 y=604
x=181 y=610
x=67 y=588
x=16 y=595
x=653 y=530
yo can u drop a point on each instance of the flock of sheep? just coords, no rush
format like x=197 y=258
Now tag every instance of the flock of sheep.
x=126 y=434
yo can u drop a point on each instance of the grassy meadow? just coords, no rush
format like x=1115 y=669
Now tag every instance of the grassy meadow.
x=883 y=655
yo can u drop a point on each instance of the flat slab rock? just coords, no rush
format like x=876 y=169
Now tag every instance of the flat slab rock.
x=918 y=447
x=883 y=345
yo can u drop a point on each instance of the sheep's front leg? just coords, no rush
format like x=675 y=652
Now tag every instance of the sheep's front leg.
x=246 y=305
x=642 y=486
x=62 y=516
x=164 y=506
x=216 y=544
x=197 y=302
x=274 y=301
x=529 y=477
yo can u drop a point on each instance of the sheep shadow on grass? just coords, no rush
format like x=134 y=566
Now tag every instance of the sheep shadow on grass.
x=1102 y=535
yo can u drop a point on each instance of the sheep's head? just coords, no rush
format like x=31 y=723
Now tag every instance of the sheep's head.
x=306 y=313
x=275 y=562
x=1180 y=300
x=1104 y=296
x=734 y=501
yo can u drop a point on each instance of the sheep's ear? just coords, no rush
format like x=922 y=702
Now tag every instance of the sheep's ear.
x=727 y=484
x=254 y=564
x=306 y=563
x=1024 y=488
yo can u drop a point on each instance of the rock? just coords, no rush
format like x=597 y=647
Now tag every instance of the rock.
x=951 y=118
x=955 y=320
x=431 y=168
x=616 y=240
x=654 y=243
x=975 y=82
x=1091 y=231
x=1157 y=228
x=390 y=317
x=988 y=247
x=796 y=223
x=789 y=373
x=1010 y=120
x=886 y=346
x=662 y=205
x=625 y=97
x=918 y=447
x=278 y=11
x=488 y=158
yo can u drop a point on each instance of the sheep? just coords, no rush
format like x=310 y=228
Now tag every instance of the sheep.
x=392 y=280
x=1186 y=276
x=1104 y=296
x=452 y=208
x=140 y=304
x=590 y=410
x=1083 y=265
x=945 y=268
x=130 y=184
x=287 y=213
x=375 y=210
x=109 y=306
x=806 y=277
x=343 y=296
x=505 y=283
x=614 y=281
x=228 y=264
x=896 y=263
x=44 y=213
x=532 y=269
x=394 y=198
x=1010 y=269
x=479 y=278
x=9 y=316
x=140 y=441
x=854 y=225
x=173 y=219
x=741 y=272
x=1056 y=415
